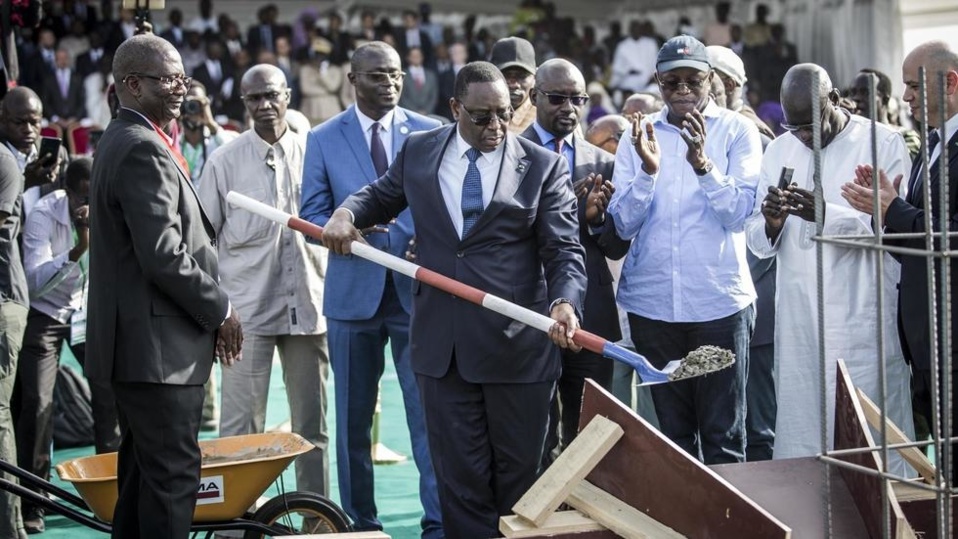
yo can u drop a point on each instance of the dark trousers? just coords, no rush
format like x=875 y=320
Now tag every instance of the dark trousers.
x=762 y=404
x=158 y=466
x=922 y=403
x=567 y=400
x=486 y=442
x=705 y=415
x=357 y=355
x=36 y=378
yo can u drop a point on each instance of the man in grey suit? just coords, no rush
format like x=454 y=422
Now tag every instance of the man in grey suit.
x=498 y=213
x=559 y=96
x=420 y=85
x=156 y=312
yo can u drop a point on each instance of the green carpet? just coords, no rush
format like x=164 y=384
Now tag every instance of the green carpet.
x=397 y=490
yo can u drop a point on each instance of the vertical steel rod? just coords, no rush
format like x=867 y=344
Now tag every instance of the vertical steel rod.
x=819 y=227
x=945 y=304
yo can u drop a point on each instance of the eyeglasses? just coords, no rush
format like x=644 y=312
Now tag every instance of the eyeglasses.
x=559 y=99
x=272 y=97
x=804 y=127
x=485 y=118
x=382 y=77
x=691 y=85
x=170 y=82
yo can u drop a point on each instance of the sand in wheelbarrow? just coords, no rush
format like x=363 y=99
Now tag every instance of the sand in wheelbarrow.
x=703 y=360
x=239 y=456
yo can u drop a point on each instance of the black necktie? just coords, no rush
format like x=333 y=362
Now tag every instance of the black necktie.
x=914 y=185
x=378 y=151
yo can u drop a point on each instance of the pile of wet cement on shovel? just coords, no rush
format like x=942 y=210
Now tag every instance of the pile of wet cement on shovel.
x=702 y=360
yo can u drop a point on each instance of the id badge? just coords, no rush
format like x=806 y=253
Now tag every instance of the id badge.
x=78 y=327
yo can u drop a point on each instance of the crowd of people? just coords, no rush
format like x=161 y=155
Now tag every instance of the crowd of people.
x=658 y=192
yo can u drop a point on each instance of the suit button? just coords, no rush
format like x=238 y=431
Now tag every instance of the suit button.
x=460 y=254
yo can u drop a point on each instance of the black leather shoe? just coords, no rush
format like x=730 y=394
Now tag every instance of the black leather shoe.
x=33 y=521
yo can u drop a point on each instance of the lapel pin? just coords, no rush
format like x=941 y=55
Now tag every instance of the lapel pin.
x=404 y=130
x=521 y=167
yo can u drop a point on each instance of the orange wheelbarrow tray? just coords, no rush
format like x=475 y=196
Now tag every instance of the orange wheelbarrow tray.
x=236 y=471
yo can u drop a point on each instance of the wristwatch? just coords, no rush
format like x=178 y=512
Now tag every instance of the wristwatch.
x=704 y=170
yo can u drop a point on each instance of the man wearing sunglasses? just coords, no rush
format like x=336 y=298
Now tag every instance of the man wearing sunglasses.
x=783 y=225
x=683 y=189
x=559 y=98
x=364 y=303
x=496 y=212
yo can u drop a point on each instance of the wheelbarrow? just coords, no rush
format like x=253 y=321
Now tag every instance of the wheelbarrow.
x=235 y=472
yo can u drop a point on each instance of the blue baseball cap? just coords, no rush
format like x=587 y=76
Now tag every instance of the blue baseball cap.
x=683 y=51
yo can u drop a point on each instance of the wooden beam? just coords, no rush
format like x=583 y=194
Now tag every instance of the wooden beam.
x=557 y=523
x=617 y=515
x=912 y=455
x=575 y=462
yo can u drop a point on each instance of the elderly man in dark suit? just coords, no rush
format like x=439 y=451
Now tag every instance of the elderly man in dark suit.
x=63 y=95
x=559 y=97
x=496 y=212
x=156 y=312
x=908 y=215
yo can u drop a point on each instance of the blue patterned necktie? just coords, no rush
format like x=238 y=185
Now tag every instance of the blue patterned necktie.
x=471 y=193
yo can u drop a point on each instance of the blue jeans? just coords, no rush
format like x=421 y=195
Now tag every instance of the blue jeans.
x=357 y=356
x=705 y=415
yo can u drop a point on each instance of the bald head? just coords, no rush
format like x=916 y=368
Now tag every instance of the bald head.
x=371 y=52
x=559 y=69
x=800 y=109
x=938 y=58
x=20 y=117
x=263 y=72
x=606 y=131
x=21 y=98
x=641 y=102
x=797 y=87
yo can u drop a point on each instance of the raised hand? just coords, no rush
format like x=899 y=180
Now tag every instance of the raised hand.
x=645 y=144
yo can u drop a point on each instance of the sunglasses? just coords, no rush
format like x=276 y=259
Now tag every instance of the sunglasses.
x=485 y=118
x=559 y=99
x=803 y=127
x=691 y=85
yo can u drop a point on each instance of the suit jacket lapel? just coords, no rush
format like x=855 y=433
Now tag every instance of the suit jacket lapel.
x=356 y=140
x=184 y=176
x=435 y=150
x=400 y=131
x=513 y=170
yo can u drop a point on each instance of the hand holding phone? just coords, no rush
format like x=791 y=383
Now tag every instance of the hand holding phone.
x=786 y=178
x=49 y=150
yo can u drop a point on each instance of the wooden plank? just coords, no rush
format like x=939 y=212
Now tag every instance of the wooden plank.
x=557 y=523
x=617 y=515
x=852 y=432
x=575 y=462
x=912 y=455
x=649 y=472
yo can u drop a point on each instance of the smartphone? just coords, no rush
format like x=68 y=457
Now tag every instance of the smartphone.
x=50 y=146
x=786 y=178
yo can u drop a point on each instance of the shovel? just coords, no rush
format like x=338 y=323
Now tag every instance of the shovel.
x=594 y=343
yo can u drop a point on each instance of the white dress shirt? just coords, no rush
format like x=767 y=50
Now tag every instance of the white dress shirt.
x=452 y=173
x=385 y=128
x=56 y=283
x=31 y=195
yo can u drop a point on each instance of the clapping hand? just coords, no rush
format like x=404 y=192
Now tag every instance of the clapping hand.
x=645 y=144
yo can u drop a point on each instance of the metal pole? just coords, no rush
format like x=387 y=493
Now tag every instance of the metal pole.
x=944 y=219
x=819 y=227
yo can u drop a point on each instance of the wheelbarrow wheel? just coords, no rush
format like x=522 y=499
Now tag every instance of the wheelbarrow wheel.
x=300 y=513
